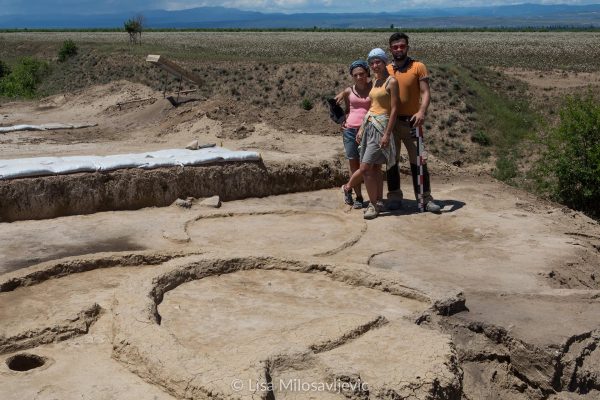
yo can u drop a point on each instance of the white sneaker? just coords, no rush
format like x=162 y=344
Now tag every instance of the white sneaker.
x=371 y=212
x=433 y=208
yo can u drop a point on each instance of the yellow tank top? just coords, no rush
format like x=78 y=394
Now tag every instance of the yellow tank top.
x=381 y=100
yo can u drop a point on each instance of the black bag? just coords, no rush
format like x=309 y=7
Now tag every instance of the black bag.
x=336 y=113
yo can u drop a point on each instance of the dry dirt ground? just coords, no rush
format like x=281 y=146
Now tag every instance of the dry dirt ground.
x=292 y=296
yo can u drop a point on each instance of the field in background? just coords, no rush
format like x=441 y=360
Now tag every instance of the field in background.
x=495 y=94
x=572 y=51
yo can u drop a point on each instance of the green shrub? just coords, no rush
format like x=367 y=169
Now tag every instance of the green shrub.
x=307 y=104
x=506 y=168
x=68 y=49
x=482 y=138
x=4 y=69
x=24 y=78
x=570 y=168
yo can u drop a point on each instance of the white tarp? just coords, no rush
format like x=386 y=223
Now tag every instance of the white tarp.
x=40 y=166
x=43 y=127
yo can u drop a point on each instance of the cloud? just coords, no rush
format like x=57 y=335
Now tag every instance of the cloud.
x=352 y=6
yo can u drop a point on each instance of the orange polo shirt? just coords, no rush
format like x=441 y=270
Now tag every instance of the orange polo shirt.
x=408 y=85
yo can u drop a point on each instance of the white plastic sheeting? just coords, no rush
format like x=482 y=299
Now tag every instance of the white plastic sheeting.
x=43 y=127
x=40 y=166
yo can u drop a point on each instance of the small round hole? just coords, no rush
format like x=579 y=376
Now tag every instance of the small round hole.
x=25 y=362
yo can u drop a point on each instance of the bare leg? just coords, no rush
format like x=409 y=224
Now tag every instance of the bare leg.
x=355 y=166
x=370 y=181
x=379 y=175
x=356 y=178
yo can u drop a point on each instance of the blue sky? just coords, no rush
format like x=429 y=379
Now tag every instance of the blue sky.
x=288 y=6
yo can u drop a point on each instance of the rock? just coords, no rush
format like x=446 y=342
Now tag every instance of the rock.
x=187 y=203
x=193 y=145
x=214 y=202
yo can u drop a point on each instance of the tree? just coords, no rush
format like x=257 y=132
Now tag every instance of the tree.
x=134 y=27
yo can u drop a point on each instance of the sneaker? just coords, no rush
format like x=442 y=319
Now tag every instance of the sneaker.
x=347 y=195
x=358 y=203
x=433 y=208
x=371 y=212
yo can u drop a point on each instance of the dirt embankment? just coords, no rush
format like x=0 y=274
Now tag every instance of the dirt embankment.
x=55 y=196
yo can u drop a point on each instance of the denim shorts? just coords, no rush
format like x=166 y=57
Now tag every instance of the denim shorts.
x=350 y=145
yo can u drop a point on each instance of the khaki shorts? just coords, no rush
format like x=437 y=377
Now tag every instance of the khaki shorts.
x=402 y=135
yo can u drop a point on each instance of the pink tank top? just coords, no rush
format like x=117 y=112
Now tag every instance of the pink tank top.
x=358 y=108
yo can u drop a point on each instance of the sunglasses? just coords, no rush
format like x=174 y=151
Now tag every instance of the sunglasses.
x=401 y=46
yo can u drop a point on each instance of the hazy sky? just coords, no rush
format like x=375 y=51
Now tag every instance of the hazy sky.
x=287 y=6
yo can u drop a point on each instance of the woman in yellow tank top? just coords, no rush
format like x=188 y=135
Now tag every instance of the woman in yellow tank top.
x=375 y=134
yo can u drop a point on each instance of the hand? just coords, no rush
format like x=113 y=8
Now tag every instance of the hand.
x=358 y=137
x=385 y=140
x=339 y=98
x=417 y=119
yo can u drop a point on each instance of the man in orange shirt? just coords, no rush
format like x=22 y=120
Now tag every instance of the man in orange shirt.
x=413 y=82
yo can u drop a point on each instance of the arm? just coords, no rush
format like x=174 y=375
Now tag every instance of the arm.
x=343 y=95
x=347 y=101
x=419 y=117
x=389 y=129
x=359 y=134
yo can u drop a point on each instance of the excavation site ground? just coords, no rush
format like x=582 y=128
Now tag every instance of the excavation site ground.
x=141 y=284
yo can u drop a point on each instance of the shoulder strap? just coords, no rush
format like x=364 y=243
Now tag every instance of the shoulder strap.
x=387 y=81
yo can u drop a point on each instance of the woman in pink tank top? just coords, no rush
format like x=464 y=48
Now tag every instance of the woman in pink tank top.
x=357 y=101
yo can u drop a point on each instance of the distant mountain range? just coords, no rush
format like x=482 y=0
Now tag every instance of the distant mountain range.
x=522 y=15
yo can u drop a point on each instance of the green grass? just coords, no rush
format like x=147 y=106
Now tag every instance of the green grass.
x=505 y=116
x=306 y=104
x=482 y=138
x=502 y=114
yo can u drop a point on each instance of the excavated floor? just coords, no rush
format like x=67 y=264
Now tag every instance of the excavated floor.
x=296 y=296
